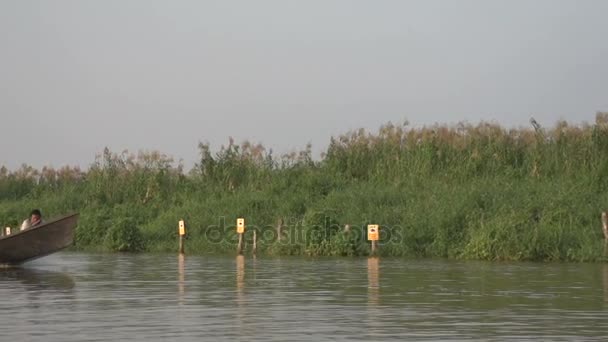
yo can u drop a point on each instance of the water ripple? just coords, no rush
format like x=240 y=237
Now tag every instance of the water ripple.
x=88 y=297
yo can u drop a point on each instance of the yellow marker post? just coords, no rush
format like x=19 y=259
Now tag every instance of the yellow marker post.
x=182 y=231
x=240 y=225
x=7 y=231
x=373 y=235
x=182 y=227
x=240 y=229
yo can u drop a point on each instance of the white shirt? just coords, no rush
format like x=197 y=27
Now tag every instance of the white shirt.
x=26 y=224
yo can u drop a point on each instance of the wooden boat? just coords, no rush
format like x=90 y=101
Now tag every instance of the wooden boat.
x=38 y=241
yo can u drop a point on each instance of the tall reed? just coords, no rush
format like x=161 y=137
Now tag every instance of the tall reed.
x=478 y=191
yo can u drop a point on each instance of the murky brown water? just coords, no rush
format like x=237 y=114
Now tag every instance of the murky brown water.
x=94 y=297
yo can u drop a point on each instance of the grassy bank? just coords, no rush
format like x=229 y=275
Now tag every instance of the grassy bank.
x=465 y=191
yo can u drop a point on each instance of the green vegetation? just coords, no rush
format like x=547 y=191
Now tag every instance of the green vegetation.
x=465 y=191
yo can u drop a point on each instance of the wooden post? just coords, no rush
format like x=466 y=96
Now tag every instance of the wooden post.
x=280 y=230
x=182 y=232
x=347 y=228
x=239 y=248
x=255 y=243
x=7 y=231
x=240 y=229
x=605 y=225
x=373 y=235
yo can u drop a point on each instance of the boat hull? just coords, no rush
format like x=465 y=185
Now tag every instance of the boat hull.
x=39 y=241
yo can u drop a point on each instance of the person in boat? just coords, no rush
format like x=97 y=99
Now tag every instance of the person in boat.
x=34 y=220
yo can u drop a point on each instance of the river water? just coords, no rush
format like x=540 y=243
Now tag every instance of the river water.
x=124 y=297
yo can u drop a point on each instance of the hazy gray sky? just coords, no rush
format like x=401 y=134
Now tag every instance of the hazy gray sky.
x=76 y=76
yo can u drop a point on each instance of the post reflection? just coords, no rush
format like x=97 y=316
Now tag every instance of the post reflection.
x=240 y=278
x=240 y=295
x=36 y=280
x=180 y=278
x=373 y=281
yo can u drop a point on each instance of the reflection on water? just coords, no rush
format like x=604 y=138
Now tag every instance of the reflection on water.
x=31 y=289
x=180 y=277
x=240 y=295
x=33 y=279
x=240 y=281
x=240 y=274
x=81 y=297
x=373 y=286
x=373 y=298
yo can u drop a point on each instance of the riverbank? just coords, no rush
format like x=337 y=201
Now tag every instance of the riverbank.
x=465 y=192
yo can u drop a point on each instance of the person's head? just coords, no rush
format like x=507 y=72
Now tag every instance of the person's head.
x=35 y=216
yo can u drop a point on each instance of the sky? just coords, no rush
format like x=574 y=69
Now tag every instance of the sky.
x=77 y=76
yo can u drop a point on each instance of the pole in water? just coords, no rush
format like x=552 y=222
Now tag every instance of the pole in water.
x=240 y=229
x=255 y=242
x=605 y=225
x=280 y=229
x=182 y=231
x=373 y=235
